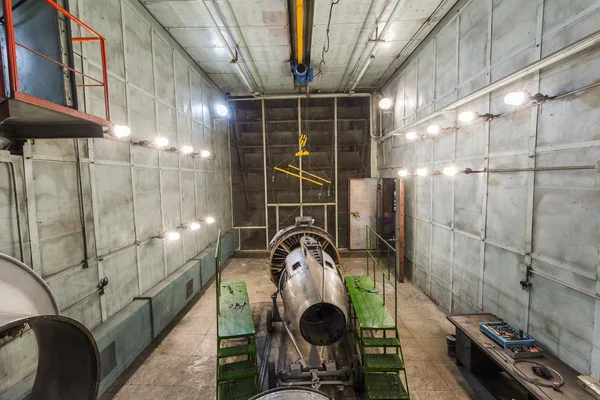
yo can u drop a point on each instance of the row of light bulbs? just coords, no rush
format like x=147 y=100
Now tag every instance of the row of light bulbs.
x=190 y=226
x=159 y=142
x=450 y=171
x=512 y=99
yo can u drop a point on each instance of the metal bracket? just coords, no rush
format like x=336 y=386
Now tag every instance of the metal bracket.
x=103 y=283
x=526 y=272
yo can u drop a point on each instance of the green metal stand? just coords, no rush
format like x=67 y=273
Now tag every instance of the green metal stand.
x=237 y=373
x=375 y=330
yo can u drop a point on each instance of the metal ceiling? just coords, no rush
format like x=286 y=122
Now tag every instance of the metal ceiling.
x=368 y=40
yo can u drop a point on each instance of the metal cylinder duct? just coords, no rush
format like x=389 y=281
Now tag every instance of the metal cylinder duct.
x=313 y=294
x=68 y=360
x=286 y=393
x=288 y=239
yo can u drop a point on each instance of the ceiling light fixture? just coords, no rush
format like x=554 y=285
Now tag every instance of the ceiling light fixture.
x=209 y=220
x=173 y=235
x=204 y=153
x=121 y=131
x=187 y=149
x=161 y=141
x=385 y=103
x=222 y=110
x=412 y=136
x=193 y=226
x=433 y=129
x=403 y=173
x=450 y=171
x=422 y=172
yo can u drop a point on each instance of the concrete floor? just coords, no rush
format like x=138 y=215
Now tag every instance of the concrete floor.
x=180 y=364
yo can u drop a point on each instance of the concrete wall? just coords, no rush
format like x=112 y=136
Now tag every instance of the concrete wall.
x=468 y=238
x=128 y=193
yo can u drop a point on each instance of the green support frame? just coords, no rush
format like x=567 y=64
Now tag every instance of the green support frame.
x=375 y=330
x=236 y=380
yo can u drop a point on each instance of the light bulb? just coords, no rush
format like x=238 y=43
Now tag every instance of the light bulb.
x=422 y=172
x=467 y=116
x=433 y=129
x=514 y=98
x=385 y=103
x=403 y=173
x=121 y=131
x=450 y=171
x=205 y=154
x=412 y=136
x=187 y=149
x=173 y=235
x=209 y=220
x=194 y=226
x=161 y=141
x=222 y=110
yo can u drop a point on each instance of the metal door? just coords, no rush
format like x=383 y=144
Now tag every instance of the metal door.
x=362 y=197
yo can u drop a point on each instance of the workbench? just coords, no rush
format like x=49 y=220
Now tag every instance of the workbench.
x=480 y=354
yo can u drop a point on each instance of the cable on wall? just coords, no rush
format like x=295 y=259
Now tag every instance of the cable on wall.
x=326 y=43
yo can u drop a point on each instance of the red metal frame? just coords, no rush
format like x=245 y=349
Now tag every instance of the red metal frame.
x=13 y=74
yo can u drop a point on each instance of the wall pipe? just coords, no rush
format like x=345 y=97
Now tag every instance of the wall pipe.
x=13 y=174
x=565 y=284
x=375 y=43
x=544 y=62
x=230 y=52
x=301 y=96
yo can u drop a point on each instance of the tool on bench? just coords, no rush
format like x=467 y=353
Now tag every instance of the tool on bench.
x=229 y=287
x=374 y=291
x=237 y=306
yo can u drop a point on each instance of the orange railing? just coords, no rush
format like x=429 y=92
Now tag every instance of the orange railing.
x=11 y=44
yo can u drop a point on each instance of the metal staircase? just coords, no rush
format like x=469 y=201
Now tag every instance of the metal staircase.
x=237 y=373
x=376 y=331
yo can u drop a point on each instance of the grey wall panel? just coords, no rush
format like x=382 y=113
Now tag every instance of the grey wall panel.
x=513 y=27
x=473 y=22
x=111 y=150
x=559 y=36
x=122 y=273
x=466 y=273
x=138 y=50
x=507 y=196
x=566 y=210
x=115 y=204
x=174 y=252
x=105 y=17
x=182 y=86
x=87 y=311
x=501 y=218
x=442 y=210
x=147 y=206
x=468 y=198
x=441 y=255
x=445 y=61
x=152 y=264
x=502 y=294
x=72 y=285
x=570 y=333
x=164 y=69
x=19 y=360
x=58 y=217
x=142 y=115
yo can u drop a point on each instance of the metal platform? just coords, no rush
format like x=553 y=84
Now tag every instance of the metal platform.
x=368 y=305
x=235 y=322
x=34 y=118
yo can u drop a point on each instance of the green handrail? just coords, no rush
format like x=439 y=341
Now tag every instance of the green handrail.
x=377 y=244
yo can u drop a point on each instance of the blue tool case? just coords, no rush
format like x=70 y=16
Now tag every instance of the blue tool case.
x=505 y=334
